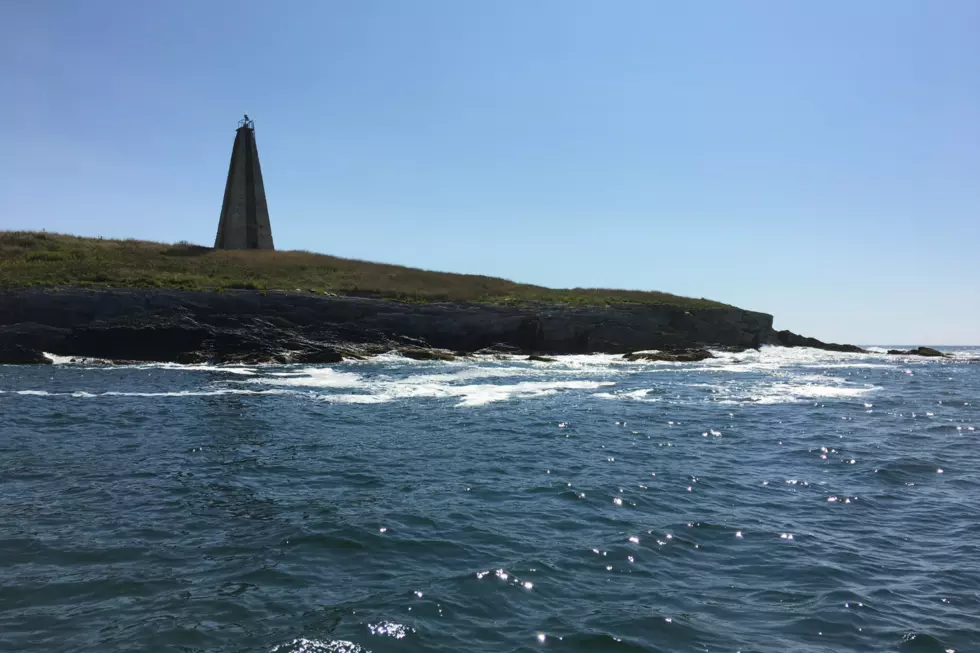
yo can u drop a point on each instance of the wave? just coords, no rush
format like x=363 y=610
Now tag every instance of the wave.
x=770 y=375
x=86 y=363
x=768 y=357
x=311 y=377
x=196 y=393
x=384 y=388
x=781 y=393
x=764 y=359
x=468 y=395
x=82 y=394
x=635 y=395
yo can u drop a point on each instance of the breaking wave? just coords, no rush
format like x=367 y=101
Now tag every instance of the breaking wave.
x=767 y=376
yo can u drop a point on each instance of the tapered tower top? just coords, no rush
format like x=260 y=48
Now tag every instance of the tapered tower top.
x=244 y=221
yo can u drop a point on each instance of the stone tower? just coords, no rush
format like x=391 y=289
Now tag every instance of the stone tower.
x=244 y=220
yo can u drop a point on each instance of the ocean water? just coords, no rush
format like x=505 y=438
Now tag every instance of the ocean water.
x=782 y=500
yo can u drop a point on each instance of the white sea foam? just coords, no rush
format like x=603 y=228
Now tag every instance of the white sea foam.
x=67 y=360
x=775 y=358
x=354 y=399
x=198 y=393
x=972 y=353
x=478 y=395
x=106 y=364
x=814 y=378
x=385 y=387
x=468 y=395
x=312 y=377
x=776 y=375
x=227 y=369
x=82 y=394
x=780 y=393
x=447 y=372
x=813 y=390
x=195 y=393
x=634 y=395
x=475 y=372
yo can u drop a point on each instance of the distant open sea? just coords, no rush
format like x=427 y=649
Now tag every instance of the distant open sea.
x=783 y=500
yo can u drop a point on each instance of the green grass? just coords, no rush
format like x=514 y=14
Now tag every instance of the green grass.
x=42 y=259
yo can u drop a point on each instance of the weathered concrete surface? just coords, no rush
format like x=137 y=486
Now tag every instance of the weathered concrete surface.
x=163 y=325
x=244 y=222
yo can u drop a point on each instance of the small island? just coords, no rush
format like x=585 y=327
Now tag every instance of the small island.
x=145 y=301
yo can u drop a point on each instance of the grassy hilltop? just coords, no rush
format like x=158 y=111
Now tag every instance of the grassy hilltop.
x=42 y=259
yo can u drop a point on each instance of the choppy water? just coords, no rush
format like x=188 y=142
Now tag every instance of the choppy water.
x=788 y=500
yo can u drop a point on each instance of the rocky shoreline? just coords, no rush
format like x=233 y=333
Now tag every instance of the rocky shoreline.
x=256 y=327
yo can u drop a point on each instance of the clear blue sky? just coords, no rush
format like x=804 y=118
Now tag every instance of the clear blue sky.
x=815 y=160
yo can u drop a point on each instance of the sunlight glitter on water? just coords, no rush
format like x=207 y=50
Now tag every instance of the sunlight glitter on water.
x=389 y=629
x=325 y=500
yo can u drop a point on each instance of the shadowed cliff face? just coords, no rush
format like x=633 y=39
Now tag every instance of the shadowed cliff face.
x=198 y=326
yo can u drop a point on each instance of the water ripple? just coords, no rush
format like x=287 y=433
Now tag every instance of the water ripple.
x=762 y=501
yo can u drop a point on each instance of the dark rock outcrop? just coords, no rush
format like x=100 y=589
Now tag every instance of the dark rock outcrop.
x=677 y=356
x=318 y=356
x=790 y=339
x=534 y=358
x=918 y=351
x=251 y=326
x=423 y=354
x=11 y=354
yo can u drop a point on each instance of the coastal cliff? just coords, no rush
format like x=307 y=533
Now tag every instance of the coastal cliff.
x=253 y=326
x=143 y=301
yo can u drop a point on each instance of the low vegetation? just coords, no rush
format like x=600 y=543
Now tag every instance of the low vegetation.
x=42 y=259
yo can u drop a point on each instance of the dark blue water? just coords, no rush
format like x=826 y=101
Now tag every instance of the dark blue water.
x=785 y=501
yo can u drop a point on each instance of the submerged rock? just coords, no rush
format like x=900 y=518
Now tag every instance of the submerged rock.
x=918 y=351
x=676 y=356
x=541 y=359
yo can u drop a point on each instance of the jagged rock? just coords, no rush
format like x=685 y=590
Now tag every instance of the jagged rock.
x=319 y=356
x=732 y=349
x=353 y=355
x=541 y=359
x=145 y=341
x=918 y=351
x=192 y=358
x=248 y=358
x=426 y=354
x=677 y=356
x=12 y=354
x=499 y=351
x=790 y=339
